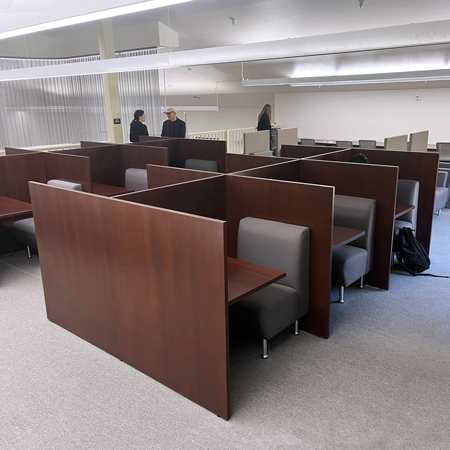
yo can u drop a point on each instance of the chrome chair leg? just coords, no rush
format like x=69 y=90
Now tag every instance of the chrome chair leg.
x=439 y=212
x=361 y=282
x=264 y=350
x=341 y=294
x=296 y=332
x=29 y=251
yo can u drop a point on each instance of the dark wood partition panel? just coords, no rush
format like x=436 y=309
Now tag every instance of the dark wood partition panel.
x=340 y=155
x=106 y=164
x=203 y=149
x=201 y=197
x=420 y=166
x=297 y=204
x=17 y=151
x=17 y=170
x=74 y=168
x=147 y=285
x=94 y=144
x=303 y=151
x=172 y=144
x=286 y=171
x=134 y=156
x=159 y=176
x=237 y=162
x=368 y=181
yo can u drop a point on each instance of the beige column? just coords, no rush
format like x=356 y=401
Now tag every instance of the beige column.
x=110 y=83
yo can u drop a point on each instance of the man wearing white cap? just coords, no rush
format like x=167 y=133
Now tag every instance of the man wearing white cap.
x=173 y=127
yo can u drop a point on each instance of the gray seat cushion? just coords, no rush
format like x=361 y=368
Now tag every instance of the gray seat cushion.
x=263 y=153
x=25 y=232
x=441 y=198
x=201 y=164
x=269 y=311
x=351 y=262
x=408 y=194
x=65 y=185
x=136 y=179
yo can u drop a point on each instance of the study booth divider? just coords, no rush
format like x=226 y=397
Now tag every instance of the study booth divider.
x=303 y=151
x=158 y=298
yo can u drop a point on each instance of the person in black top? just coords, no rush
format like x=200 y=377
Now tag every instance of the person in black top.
x=137 y=127
x=173 y=127
x=265 y=121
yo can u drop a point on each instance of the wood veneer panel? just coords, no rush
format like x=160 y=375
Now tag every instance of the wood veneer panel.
x=159 y=176
x=339 y=155
x=297 y=204
x=368 y=181
x=144 y=284
x=236 y=162
x=203 y=149
x=106 y=164
x=422 y=167
x=74 y=168
x=303 y=151
x=17 y=170
x=287 y=171
x=134 y=156
x=204 y=197
x=17 y=151
x=94 y=144
x=172 y=144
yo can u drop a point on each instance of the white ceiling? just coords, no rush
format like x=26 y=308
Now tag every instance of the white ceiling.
x=207 y=23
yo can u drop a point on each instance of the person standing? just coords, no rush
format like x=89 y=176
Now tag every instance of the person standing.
x=137 y=126
x=265 y=122
x=173 y=127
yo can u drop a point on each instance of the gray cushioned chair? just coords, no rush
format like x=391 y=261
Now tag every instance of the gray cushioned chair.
x=352 y=261
x=279 y=246
x=136 y=179
x=262 y=153
x=201 y=164
x=346 y=144
x=304 y=141
x=444 y=150
x=442 y=190
x=24 y=230
x=445 y=167
x=364 y=143
x=407 y=194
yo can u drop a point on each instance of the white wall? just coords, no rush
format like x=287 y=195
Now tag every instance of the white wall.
x=366 y=114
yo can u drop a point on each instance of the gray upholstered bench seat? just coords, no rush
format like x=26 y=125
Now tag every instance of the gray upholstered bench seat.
x=25 y=232
x=352 y=261
x=263 y=153
x=136 y=179
x=442 y=190
x=201 y=164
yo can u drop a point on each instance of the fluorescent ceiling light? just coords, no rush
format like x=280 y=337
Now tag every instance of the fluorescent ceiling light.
x=380 y=78
x=98 y=15
x=192 y=108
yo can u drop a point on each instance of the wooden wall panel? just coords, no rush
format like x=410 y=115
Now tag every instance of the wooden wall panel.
x=297 y=204
x=303 y=151
x=159 y=176
x=74 y=168
x=287 y=171
x=146 y=285
x=134 y=156
x=237 y=162
x=201 y=197
x=94 y=144
x=172 y=144
x=17 y=170
x=422 y=167
x=369 y=181
x=17 y=151
x=203 y=149
x=339 y=155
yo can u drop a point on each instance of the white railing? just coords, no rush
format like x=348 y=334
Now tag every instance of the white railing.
x=233 y=137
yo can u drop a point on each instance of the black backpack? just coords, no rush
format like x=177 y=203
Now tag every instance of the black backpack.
x=410 y=253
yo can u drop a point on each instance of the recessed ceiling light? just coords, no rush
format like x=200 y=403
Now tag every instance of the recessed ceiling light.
x=89 y=17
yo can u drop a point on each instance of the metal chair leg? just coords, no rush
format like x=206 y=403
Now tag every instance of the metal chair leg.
x=296 y=332
x=29 y=251
x=439 y=212
x=341 y=294
x=361 y=282
x=264 y=355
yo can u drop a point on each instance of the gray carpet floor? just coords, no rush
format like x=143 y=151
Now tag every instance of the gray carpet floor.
x=382 y=380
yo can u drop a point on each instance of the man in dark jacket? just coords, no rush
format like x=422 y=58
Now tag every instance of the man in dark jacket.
x=173 y=127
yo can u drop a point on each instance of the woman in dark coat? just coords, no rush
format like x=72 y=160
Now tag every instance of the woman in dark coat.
x=265 y=121
x=137 y=127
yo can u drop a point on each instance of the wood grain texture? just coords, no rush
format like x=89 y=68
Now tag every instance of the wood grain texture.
x=159 y=176
x=17 y=170
x=17 y=151
x=367 y=181
x=10 y=208
x=205 y=197
x=303 y=151
x=94 y=144
x=286 y=171
x=137 y=157
x=203 y=149
x=172 y=144
x=422 y=167
x=73 y=168
x=144 y=284
x=237 y=163
x=297 y=204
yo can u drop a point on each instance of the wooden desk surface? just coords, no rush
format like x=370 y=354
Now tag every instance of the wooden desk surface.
x=245 y=278
x=11 y=208
x=109 y=191
x=343 y=236
x=401 y=209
